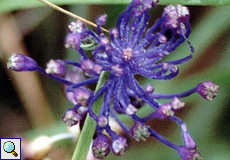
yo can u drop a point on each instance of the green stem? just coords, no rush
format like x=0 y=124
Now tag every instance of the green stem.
x=10 y=5
x=89 y=127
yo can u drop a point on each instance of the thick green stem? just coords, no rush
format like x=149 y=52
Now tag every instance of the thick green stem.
x=89 y=127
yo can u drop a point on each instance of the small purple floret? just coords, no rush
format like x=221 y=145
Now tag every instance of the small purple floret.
x=207 y=90
x=140 y=131
x=189 y=154
x=101 y=147
x=55 y=67
x=101 y=20
x=71 y=117
x=164 y=111
x=119 y=145
x=73 y=40
x=20 y=62
x=81 y=96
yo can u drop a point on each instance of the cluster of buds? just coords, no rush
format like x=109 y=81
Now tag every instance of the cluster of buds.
x=132 y=49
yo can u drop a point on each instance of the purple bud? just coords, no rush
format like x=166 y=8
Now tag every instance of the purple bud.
x=119 y=145
x=207 y=90
x=74 y=76
x=87 y=66
x=140 y=131
x=81 y=96
x=175 y=15
x=189 y=154
x=101 y=20
x=188 y=140
x=149 y=89
x=164 y=111
x=102 y=121
x=20 y=62
x=176 y=104
x=130 y=110
x=77 y=26
x=73 y=40
x=101 y=147
x=71 y=117
x=55 y=67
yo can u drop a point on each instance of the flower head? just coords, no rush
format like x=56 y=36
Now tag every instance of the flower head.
x=132 y=48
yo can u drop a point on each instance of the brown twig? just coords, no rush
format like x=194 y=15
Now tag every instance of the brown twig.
x=71 y=14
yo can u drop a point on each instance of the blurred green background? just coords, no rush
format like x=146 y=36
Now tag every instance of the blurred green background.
x=32 y=105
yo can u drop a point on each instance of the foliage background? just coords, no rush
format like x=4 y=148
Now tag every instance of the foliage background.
x=32 y=105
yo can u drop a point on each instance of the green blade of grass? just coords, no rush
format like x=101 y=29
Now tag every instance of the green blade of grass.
x=10 y=5
x=89 y=127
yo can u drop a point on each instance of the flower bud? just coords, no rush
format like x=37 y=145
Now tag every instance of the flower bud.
x=71 y=117
x=149 y=88
x=189 y=154
x=55 y=67
x=87 y=66
x=175 y=15
x=130 y=110
x=81 y=96
x=207 y=90
x=102 y=121
x=101 y=20
x=20 y=62
x=176 y=104
x=77 y=26
x=75 y=75
x=119 y=145
x=101 y=147
x=164 y=111
x=73 y=40
x=140 y=131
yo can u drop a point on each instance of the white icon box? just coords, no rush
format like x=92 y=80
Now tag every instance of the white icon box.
x=10 y=148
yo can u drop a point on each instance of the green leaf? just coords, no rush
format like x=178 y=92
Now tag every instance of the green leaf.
x=10 y=5
x=89 y=127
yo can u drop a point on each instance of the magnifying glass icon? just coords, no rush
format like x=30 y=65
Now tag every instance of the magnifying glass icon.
x=9 y=147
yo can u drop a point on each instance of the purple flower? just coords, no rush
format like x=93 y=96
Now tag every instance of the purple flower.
x=55 y=67
x=140 y=131
x=208 y=90
x=20 y=62
x=101 y=147
x=132 y=48
x=72 y=117
x=119 y=145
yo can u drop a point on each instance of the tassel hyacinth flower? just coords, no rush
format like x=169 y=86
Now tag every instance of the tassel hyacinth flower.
x=132 y=48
